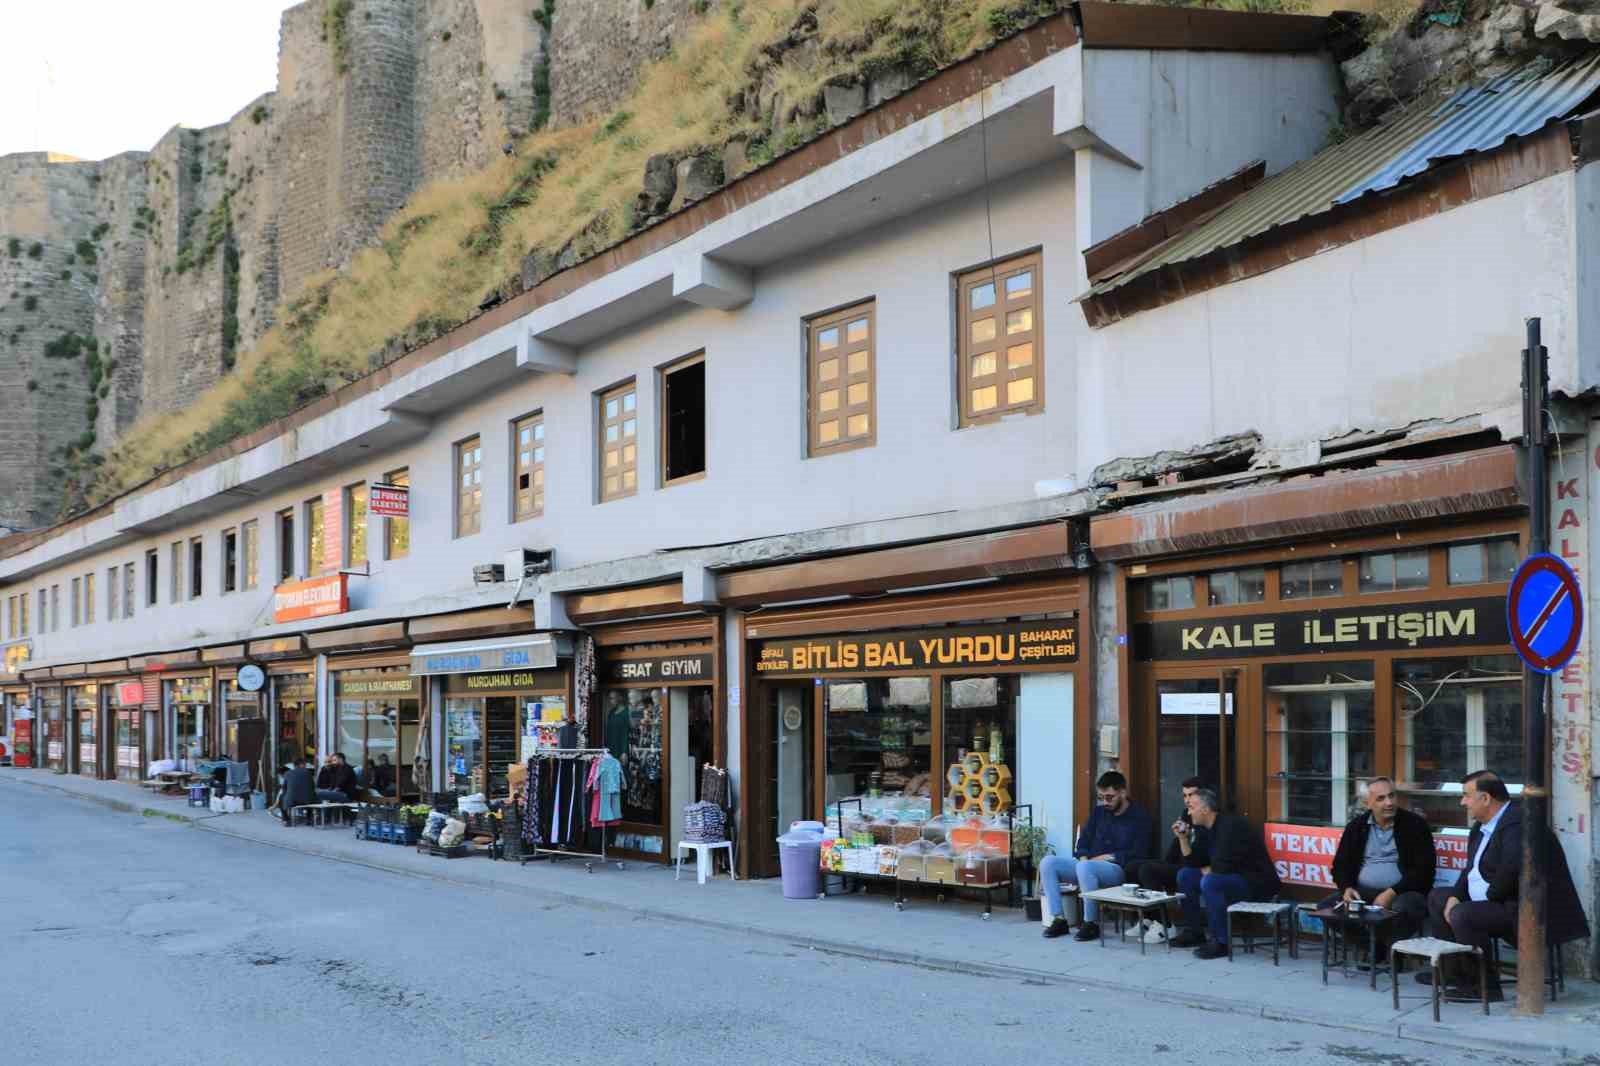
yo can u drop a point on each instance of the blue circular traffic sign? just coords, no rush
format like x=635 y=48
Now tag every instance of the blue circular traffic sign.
x=1544 y=612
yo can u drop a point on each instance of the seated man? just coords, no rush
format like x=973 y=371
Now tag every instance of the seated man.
x=336 y=781
x=1483 y=903
x=1240 y=869
x=299 y=788
x=1116 y=835
x=1386 y=858
x=383 y=776
x=1191 y=846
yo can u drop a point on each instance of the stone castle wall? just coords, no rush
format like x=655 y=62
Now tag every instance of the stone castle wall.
x=197 y=241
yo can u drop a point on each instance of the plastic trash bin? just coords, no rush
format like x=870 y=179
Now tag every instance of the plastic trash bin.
x=807 y=827
x=800 y=861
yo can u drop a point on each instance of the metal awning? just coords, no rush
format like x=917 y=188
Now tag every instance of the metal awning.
x=535 y=651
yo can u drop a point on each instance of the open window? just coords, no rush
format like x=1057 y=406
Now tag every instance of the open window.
x=683 y=420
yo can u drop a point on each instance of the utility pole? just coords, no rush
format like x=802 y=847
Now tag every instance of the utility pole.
x=1531 y=893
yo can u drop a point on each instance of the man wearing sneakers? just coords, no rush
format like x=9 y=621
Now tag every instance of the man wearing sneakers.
x=1117 y=836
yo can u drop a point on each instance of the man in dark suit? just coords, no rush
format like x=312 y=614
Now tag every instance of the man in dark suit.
x=1483 y=903
x=299 y=788
x=1240 y=869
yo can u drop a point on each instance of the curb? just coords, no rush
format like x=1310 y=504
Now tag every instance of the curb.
x=1399 y=1029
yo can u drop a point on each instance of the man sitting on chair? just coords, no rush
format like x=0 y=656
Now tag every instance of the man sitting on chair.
x=1386 y=858
x=1116 y=836
x=299 y=789
x=1240 y=869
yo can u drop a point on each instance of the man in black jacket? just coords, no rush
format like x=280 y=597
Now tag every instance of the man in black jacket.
x=1386 y=858
x=299 y=789
x=336 y=781
x=1240 y=869
x=1483 y=903
x=1190 y=846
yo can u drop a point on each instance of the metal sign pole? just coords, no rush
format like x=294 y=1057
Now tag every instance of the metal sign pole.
x=1535 y=724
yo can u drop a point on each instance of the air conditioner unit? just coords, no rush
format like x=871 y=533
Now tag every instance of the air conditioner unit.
x=528 y=562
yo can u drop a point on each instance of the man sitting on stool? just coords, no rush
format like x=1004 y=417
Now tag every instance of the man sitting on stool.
x=1116 y=835
x=1191 y=846
x=1386 y=858
x=1483 y=903
x=1240 y=869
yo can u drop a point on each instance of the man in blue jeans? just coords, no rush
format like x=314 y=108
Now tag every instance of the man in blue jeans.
x=1116 y=836
x=1240 y=869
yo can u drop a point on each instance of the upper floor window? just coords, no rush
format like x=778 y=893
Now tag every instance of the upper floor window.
x=315 y=545
x=355 y=515
x=1002 y=339
x=619 y=442
x=44 y=611
x=11 y=618
x=469 y=486
x=55 y=608
x=230 y=560
x=1392 y=571
x=397 y=531
x=113 y=583
x=22 y=604
x=841 y=389
x=1227 y=587
x=250 y=552
x=528 y=489
x=1483 y=561
x=127 y=590
x=1169 y=593
x=683 y=420
x=177 y=572
x=88 y=598
x=152 y=576
x=77 y=592
x=1304 y=581
x=197 y=566
x=286 y=544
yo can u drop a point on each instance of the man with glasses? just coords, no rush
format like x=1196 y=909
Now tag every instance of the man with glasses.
x=1116 y=836
x=1386 y=858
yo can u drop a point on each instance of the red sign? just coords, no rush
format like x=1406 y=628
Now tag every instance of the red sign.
x=1304 y=854
x=22 y=738
x=130 y=693
x=389 y=501
x=332 y=530
x=316 y=597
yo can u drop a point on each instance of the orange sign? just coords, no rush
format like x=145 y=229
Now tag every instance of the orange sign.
x=130 y=693
x=1304 y=854
x=332 y=530
x=315 y=597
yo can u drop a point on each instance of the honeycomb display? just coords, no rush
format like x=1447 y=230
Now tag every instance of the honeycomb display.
x=978 y=785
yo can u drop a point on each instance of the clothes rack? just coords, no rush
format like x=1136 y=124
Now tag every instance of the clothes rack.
x=531 y=852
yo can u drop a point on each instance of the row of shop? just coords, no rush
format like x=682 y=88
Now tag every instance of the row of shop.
x=1284 y=673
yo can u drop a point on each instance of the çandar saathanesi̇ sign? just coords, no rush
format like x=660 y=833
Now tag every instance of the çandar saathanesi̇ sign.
x=961 y=648
x=1388 y=627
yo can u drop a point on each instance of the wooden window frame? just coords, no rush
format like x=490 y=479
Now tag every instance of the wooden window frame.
x=347 y=503
x=620 y=392
x=55 y=608
x=402 y=476
x=528 y=503
x=88 y=598
x=113 y=583
x=229 y=574
x=286 y=561
x=315 y=548
x=178 y=561
x=130 y=584
x=250 y=554
x=473 y=444
x=663 y=428
x=77 y=594
x=815 y=387
x=22 y=613
x=998 y=273
x=197 y=567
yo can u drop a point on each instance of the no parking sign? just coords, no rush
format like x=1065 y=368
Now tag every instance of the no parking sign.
x=1544 y=612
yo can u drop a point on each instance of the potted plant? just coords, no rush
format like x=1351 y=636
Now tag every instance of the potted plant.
x=1028 y=841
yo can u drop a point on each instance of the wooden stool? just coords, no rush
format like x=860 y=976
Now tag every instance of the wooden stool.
x=1275 y=913
x=1434 y=949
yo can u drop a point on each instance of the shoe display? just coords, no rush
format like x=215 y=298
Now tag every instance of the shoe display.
x=1210 y=950
x=1087 y=931
x=1057 y=927
x=1188 y=939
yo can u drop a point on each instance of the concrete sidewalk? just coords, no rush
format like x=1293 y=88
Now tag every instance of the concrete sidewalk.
x=950 y=936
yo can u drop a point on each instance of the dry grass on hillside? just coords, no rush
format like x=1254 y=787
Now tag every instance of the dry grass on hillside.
x=457 y=240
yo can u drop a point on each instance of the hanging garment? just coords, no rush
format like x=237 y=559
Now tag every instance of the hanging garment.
x=556 y=836
x=592 y=783
x=530 y=804
x=610 y=791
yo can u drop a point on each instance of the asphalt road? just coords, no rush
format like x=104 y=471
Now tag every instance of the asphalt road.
x=127 y=939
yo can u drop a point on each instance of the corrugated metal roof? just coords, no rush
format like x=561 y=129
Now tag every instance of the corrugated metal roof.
x=1474 y=119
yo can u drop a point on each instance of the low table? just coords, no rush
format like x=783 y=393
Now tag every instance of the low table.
x=316 y=814
x=1338 y=924
x=1140 y=902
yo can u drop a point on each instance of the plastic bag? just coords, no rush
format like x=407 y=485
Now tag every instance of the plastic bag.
x=454 y=830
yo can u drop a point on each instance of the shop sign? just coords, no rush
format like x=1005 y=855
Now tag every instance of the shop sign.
x=514 y=679
x=316 y=597
x=1402 y=627
x=385 y=685
x=293 y=689
x=389 y=501
x=963 y=648
x=1303 y=854
x=130 y=693
x=539 y=654
x=665 y=668
x=22 y=742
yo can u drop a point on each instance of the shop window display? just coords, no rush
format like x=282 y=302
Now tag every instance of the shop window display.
x=980 y=715
x=1321 y=740
x=463 y=735
x=879 y=734
x=190 y=699
x=1453 y=716
x=632 y=730
x=49 y=702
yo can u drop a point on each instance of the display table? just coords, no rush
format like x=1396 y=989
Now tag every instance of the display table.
x=1338 y=924
x=1140 y=901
